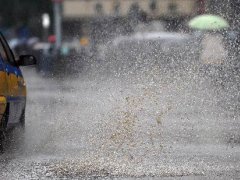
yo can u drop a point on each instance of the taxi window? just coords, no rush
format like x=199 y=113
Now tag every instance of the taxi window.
x=8 y=57
x=3 y=54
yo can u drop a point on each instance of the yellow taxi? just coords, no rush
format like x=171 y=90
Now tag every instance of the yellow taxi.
x=12 y=89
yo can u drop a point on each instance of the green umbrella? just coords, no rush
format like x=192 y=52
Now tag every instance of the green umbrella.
x=208 y=22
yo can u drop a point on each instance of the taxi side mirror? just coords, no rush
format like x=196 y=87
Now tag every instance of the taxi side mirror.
x=26 y=60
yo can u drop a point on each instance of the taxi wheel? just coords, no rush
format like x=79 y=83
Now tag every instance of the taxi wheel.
x=3 y=132
x=1 y=142
x=15 y=137
x=22 y=119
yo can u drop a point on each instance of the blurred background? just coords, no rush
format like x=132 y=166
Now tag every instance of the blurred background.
x=56 y=29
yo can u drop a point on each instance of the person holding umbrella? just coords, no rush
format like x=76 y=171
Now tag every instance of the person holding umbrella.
x=214 y=54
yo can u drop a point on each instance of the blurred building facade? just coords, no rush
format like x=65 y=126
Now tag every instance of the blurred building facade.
x=104 y=16
x=153 y=8
x=85 y=15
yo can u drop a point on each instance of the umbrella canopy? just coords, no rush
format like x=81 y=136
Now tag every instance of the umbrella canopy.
x=208 y=22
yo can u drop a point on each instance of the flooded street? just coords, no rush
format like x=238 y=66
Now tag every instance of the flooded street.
x=114 y=128
x=125 y=90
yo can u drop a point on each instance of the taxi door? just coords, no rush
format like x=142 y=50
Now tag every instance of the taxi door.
x=3 y=80
x=15 y=97
x=3 y=89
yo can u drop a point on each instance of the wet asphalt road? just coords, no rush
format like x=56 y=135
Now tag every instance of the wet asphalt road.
x=109 y=128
